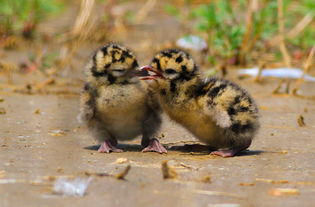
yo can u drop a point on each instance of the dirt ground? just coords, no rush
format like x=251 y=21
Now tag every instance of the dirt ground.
x=41 y=140
x=41 y=137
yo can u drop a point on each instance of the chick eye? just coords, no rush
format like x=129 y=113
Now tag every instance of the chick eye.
x=170 y=71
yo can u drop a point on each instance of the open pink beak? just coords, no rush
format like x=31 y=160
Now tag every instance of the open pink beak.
x=148 y=68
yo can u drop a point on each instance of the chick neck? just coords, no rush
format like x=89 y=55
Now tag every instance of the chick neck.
x=109 y=79
x=178 y=91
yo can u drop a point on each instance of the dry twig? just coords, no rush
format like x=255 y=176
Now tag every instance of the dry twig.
x=248 y=31
x=307 y=19
x=82 y=28
x=306 y=68
x=122 y=175
x=260 y=69
x=167 y=171
x=300 y=121
x=283 y=48
x=145 y=10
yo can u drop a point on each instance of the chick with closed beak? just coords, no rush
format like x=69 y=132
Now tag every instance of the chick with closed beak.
x=115 y=104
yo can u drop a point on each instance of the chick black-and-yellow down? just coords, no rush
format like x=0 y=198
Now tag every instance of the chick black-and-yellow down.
x=115 y=105
x=216 y=111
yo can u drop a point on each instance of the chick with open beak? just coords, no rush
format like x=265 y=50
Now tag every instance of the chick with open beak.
x=115 y=105
x=218 y=112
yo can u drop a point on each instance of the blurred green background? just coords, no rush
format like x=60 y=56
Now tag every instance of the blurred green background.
x=238 y=32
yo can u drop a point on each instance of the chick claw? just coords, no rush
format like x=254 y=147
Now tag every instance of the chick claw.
x=155 y=146
x=107 y=147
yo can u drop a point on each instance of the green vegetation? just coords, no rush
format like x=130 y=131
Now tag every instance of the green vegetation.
x=23 y=16
x=220 y=23
x=225 y=26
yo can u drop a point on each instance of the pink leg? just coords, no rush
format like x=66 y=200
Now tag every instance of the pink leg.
x=155 y=146
x=107 y=147
x=231 y=152
x=224 y=153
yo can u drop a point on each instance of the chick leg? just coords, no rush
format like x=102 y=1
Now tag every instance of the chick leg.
x=107 y=147
x=155 y=146
x=108 y=142
x=233 y=151
x=150 y=126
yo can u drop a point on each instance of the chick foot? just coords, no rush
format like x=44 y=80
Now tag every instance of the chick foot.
x=231 y=152
x=107 y=147
x=155 y=146
x=225 y=153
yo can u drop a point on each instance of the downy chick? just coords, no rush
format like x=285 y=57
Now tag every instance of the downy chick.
x=115 y=105
x=218 y=112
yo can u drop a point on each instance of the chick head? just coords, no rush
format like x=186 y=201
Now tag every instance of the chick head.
x=172 y=64
x=113 y=61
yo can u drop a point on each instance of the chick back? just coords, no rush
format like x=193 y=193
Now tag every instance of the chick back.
x=225 y=99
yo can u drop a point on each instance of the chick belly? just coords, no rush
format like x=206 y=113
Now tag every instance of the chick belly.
x=200 y=125
x=123 y=124
x=124 y=129
x=123 y=112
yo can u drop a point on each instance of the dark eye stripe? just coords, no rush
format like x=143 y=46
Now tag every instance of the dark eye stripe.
x=167 y=54
x=107 y=65
x=135 y=64
x=170 y=71
x=179 y=59
x=98 y=74
x=158 y=65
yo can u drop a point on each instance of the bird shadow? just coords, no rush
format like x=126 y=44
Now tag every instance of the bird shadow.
x=124 y=147
x=199 y=149
x=205 y=149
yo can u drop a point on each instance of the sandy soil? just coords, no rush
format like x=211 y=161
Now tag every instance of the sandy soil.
x=40 y=140
x=51 y=143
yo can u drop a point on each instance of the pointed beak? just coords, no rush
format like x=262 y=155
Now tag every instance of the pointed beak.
x=146 y=70
x=140 y=73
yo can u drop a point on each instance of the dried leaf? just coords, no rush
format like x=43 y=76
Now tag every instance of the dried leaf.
x=167 y=171
x=60 y=170
x=96 y=174
x=2 y=173
x=2 y=111
x=283 y=191
x=205 y=179
x=304 y=183
x=264 y=180
x=247 y=184
x=122 y=175
x=51 y=81
x=285 y=182
x=218 y=193
x=37 y=111
x=57 y=133
x=283 y=152
x=121 y=160
x=188 y=166
x=280 y=182
x=300 y=121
